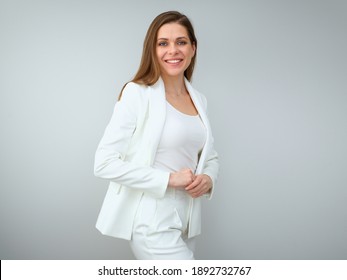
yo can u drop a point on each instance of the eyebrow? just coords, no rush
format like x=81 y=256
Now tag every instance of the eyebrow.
x=178 y=38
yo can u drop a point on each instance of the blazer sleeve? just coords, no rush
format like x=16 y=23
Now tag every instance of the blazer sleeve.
x=211 y=166
x=110 y=154
x=211 y=169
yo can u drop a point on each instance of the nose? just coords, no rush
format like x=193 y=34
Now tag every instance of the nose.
x=173 y=49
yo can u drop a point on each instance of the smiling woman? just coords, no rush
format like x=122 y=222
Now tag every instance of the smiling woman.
x=157 y=150
x=174 y=50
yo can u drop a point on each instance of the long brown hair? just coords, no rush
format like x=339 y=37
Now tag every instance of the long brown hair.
x=149 y=70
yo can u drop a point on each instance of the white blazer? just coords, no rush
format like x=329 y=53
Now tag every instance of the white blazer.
x=126 y=153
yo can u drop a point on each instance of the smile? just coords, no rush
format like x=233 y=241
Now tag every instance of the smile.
x=173 y=61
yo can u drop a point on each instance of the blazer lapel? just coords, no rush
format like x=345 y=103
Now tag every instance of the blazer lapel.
x=156 y=117
x=201 y=110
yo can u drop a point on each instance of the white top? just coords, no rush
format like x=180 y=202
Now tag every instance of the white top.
x=181 y=142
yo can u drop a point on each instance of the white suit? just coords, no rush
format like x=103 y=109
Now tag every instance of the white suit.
x=127 y=151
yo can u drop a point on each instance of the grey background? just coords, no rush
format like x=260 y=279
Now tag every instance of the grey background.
x=274 y=73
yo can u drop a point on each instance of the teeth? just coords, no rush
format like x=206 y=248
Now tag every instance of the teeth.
x=173 y=61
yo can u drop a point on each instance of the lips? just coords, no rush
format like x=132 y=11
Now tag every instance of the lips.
x=173 y=61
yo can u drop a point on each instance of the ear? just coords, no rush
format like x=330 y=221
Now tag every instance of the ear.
x=194 y=48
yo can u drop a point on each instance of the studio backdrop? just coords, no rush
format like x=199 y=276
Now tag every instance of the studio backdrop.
x=274 y=74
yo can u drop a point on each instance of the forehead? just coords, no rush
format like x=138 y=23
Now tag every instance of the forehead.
x=172 y=30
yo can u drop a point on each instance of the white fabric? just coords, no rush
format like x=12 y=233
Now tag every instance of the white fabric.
x=126 y=153
x=182 y=140
x=161 y=227
x=161 y=224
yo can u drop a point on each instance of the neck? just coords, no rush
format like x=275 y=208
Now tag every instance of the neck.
x=174 y=85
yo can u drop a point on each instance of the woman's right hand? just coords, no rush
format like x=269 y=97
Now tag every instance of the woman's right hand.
x=181 y=179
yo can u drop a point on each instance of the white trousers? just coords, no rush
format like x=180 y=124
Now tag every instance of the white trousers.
x=160 y=228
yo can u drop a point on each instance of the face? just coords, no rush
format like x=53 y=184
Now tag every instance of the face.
x=174 y=50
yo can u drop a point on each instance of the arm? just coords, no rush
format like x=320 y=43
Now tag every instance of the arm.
x=111 y=152
x=211 y=170
x=204 y=183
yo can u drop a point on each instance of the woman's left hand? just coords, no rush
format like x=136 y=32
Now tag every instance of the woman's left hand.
x=201 y=185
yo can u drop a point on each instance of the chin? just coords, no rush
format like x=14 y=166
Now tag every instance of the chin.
x=172 y=73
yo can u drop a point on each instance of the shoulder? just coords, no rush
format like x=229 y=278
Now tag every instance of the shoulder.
x=203 y=98
x=133 y=93
x=133 y=99
x=133 y=89
x=200 y=96
x=197 y=94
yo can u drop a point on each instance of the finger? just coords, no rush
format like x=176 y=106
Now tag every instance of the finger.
x=197 y=179
x=196 y=192
x=186 y=170
x=195 y=195
x=192 y=185
x=199 y=191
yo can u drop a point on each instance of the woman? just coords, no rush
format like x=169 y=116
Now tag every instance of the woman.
x=157 y=150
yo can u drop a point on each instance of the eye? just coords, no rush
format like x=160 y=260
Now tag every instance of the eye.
x=182 y=43
x=162 y=44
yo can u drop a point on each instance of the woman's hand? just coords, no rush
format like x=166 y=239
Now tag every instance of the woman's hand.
x=181 y=179
x=201 y=185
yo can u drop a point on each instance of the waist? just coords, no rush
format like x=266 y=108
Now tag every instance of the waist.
x=179 y=194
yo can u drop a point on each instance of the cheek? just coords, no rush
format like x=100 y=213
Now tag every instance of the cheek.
x=160 y=52
x=189 y=53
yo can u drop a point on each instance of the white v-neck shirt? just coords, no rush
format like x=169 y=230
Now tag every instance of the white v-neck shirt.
x=182 y=140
